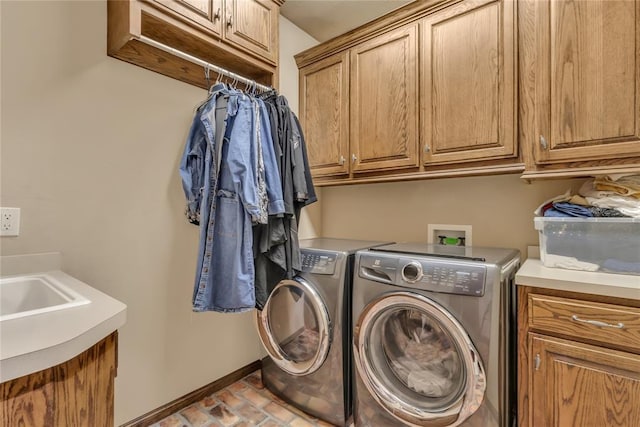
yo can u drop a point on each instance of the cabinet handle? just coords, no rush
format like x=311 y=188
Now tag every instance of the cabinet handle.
x=598 y=323
x=230 y=21
x=342 y=160
x=353 y=158
x=427 y=148
x=537 y=362
x=217 y=15
x=543 y=142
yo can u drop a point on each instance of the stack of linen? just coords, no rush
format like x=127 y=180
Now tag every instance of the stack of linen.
x=597 y=229
x=606 y=196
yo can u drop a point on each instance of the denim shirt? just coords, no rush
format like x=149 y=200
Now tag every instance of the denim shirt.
x=220 y=179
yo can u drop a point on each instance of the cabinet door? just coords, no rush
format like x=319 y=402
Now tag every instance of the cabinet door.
x=468 y=82
x=203 y=13
x=253 y=25
x=324 y=114
x=586 y=89
x=384 y=101
x=577 y=384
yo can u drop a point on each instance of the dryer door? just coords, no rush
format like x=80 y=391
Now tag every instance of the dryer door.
x=417 y=361
x=295 y=328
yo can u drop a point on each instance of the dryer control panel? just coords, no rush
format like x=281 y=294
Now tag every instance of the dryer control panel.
x=446 y=276
x=318 y=262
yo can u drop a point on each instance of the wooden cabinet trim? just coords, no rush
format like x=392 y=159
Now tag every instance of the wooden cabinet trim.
x=432 y=173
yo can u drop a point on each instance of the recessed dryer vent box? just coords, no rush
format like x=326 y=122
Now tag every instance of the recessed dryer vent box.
x=449 y=234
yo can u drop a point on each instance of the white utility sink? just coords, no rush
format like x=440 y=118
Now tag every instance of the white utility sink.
x=22 y=296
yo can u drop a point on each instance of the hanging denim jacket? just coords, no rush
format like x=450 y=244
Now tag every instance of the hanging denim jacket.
x=219 y=170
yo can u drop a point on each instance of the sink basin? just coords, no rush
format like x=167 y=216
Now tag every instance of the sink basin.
x=34 y=294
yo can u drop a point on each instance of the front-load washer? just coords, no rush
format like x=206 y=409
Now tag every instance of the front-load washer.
x=305 y=327
x=432 y=341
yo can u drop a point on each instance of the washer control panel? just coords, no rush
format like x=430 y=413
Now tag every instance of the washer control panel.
x=430 y=274
x=318 y=262
x=453 y=278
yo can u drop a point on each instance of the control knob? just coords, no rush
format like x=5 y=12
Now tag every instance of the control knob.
x=412 y=272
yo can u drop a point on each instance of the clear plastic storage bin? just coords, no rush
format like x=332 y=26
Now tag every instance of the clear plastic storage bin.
x=593 y=244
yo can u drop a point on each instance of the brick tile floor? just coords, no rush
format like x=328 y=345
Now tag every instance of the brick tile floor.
x=244 y=403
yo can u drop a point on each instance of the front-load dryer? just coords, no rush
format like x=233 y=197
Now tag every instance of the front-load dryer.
x=305 y=327
x=432 y=341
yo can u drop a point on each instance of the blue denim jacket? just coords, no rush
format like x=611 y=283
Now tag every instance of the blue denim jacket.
x=219 y=171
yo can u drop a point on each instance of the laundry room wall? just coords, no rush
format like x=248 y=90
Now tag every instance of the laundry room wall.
x=90 y=150
x=499 y=209
x=293 y=41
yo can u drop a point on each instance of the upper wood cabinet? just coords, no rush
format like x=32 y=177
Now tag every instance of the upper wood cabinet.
x=324 y=114
x=208 y=14
x=384 y=101
x=430 y=92
x=580 y=81
x=253 y=25
x=552 y=90
x=238 y=35
x=468 y=95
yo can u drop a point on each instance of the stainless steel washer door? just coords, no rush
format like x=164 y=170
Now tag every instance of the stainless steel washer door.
x=295 y=328
x=417 y=361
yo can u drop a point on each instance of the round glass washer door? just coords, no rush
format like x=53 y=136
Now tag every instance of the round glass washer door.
x=417 y=361
x=295 y=328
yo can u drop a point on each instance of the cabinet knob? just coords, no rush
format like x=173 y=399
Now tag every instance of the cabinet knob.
x=353 y=158
x=543 y=142
x=537 y=362
x=230 y=21
x=427 y=148
x=217 y=15
x=342 y=160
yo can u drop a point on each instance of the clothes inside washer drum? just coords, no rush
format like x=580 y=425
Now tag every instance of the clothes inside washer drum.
x=421 y=355
x=303 y=346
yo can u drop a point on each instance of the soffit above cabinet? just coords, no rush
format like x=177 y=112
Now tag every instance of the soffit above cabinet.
x=245 y=43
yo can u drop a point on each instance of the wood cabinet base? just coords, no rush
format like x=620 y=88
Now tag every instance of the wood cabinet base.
x=76 y=393
x=578 y=359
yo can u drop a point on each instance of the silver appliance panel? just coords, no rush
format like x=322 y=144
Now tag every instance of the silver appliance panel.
x=319 y=262
x=444 y=276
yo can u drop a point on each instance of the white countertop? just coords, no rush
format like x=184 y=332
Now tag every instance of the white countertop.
x=32 y=343
x=533 y=273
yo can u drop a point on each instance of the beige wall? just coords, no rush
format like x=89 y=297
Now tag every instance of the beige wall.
x=292 y=41
x=499 y=208
x=90 y=150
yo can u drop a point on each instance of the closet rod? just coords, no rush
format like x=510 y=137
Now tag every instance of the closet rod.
x=206 y=65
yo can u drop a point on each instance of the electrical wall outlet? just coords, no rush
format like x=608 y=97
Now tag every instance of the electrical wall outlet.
x=9 y=221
